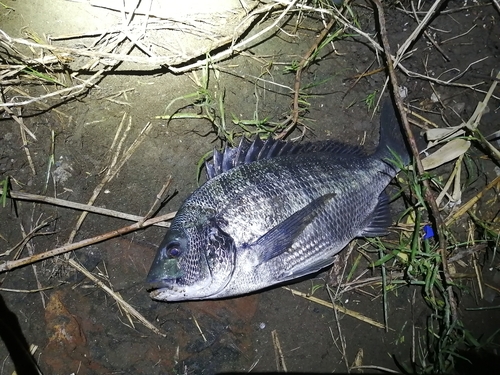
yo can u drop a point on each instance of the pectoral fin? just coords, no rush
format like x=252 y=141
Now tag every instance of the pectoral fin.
x=279 y=239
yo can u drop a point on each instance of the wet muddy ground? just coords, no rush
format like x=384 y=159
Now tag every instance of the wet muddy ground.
x=74 y=326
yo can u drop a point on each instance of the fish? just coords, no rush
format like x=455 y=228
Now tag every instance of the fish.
x=274 y=211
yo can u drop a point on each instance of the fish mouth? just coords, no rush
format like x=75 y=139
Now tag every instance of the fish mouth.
x=160 y=284
x=161 y=294
x=166 y=290
x=171 y=290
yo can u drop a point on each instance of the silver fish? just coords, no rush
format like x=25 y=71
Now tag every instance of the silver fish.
x=274 y=211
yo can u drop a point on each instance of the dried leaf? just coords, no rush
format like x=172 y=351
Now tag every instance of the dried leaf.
x=440 y=134
x=448 y=152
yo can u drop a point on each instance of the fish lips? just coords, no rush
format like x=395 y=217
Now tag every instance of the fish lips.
x=166 y=291
x=169 y=290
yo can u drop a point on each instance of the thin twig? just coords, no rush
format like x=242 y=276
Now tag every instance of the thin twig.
x=298 y=74
x=428 y=36
x=25 y=290
x=31 y=252
x=79 y=206
x=373 y=367
x=26 y=238
x=404 y=47
x=126 y=306
x=167 y=60
x=278 y=353
x=334 y=306
x=459 y=35
x=23 y=130
x=19 y=120
x=402 y=51
x=83 y=52
x=70 y=91
x=113 y=170
x=199 y=328
x=39 y=103
x=158 y=199
x=496 y=4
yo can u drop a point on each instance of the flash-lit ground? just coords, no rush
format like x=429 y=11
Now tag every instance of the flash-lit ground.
x=76 y=327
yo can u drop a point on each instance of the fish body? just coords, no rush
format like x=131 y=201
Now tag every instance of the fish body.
x=274 y=211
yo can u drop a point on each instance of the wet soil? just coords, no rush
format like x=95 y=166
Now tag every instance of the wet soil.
x=77 y=328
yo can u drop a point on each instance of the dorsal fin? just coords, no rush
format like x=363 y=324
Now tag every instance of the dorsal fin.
x=254 y=151
x=248 y=152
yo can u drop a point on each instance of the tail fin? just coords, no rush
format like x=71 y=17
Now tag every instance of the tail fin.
x=392 y=141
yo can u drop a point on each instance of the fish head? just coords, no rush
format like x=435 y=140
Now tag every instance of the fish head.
x=193 y=262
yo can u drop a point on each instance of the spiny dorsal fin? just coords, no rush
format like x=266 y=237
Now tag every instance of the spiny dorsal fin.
x=248 y=152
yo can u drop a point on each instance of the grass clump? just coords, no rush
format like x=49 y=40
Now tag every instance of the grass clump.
x=417 y=257
x=209 y=103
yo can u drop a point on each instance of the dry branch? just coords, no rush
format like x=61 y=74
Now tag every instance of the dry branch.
x=177 y=58
x=429 y=196
x=9 y=265
x=244 y=43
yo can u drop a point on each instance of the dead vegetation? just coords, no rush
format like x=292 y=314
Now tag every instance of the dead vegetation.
x=63 y=74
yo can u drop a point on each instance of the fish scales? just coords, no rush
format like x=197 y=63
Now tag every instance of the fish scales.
x=246 y=212
x=262 y=219
x=270 y=197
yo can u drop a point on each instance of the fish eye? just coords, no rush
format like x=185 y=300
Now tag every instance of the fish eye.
x=173 y=250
